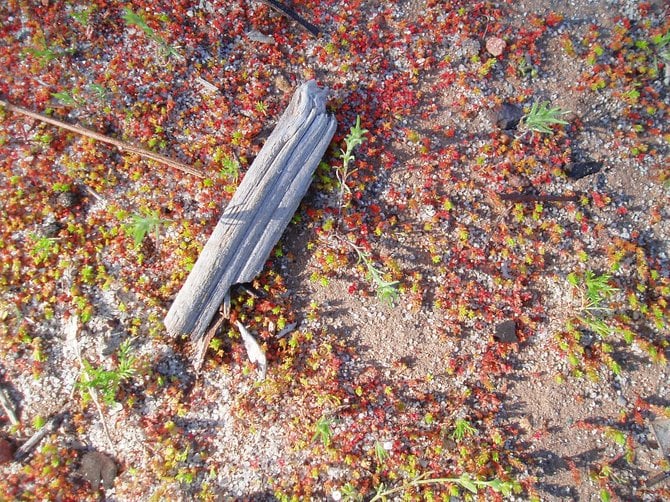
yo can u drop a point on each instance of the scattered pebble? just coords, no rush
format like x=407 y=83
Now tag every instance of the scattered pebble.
x=495 y=46
x=505 y=332
x=96 y=467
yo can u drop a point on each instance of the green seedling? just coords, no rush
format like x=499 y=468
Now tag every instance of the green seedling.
x=43 y=248
x=230 y=168
x=133 y=19
x=467 y=482
x=595 y=293
x=107 y=382
x=65 y=97
x=47 y=54
x=380 y=453
x=83 y=17
x=141 y=225
x=595 y=290
x=387 y=291
x=355 y=138
x=462 y=428
x=540 y=118
x=323 y=431
x=261 y=107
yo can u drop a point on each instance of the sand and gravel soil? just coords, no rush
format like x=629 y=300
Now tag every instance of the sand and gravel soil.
x=489 y=372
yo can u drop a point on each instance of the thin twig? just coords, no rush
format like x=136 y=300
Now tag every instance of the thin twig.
x=208 y=86
x=528 y=197
x=98 y=197
x=50 y=426
x=71 y=334
x=122 y=145
x=287 y=11
x=203 y=344
x=8 y=406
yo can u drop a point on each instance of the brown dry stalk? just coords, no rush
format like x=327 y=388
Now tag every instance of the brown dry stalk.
x=122 y=145
x=527 y=197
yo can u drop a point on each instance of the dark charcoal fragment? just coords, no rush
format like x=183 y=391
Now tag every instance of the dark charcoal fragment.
x=579 y=170
x=96 y=466
x=507 y=116
x=506 y=332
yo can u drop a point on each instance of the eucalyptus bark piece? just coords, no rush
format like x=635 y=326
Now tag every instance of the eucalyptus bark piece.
x=258 y=212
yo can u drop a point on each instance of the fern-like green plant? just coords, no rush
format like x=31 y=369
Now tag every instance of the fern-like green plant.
x=462 y=428
x=107 y=382
x=142 y=224
x=595 y=290
x=541 y=117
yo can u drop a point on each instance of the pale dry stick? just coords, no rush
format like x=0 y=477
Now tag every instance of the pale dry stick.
x=50 y=426
x=122 y=145
x=71 y=334
x=99 y=198
x=8 y=406
x=529 y=197
x=206 y=85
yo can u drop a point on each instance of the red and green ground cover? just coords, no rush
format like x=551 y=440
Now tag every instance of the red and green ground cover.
x=468 y=228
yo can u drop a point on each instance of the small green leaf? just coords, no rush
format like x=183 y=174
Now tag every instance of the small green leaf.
x=466 y=482
x=64 y=97
x=540 y=117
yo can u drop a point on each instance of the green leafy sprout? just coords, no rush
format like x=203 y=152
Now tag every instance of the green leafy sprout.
x=133 y=19
x=541 y=117
x=83 y=17
x=387 y=291
x=48 y=54
x=595 y=291
x=107 y=382
x=140 y=225
x=466 y=481
x=43 y=247
x=355 y=138
x=462 y=428
x=230 y=168
x=380 y=453
x=323 y=431
x=65 y=97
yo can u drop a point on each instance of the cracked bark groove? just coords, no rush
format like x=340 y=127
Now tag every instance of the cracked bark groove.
x=259 y=211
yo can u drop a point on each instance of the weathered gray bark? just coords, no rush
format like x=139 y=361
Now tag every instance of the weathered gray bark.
x=258 y=213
